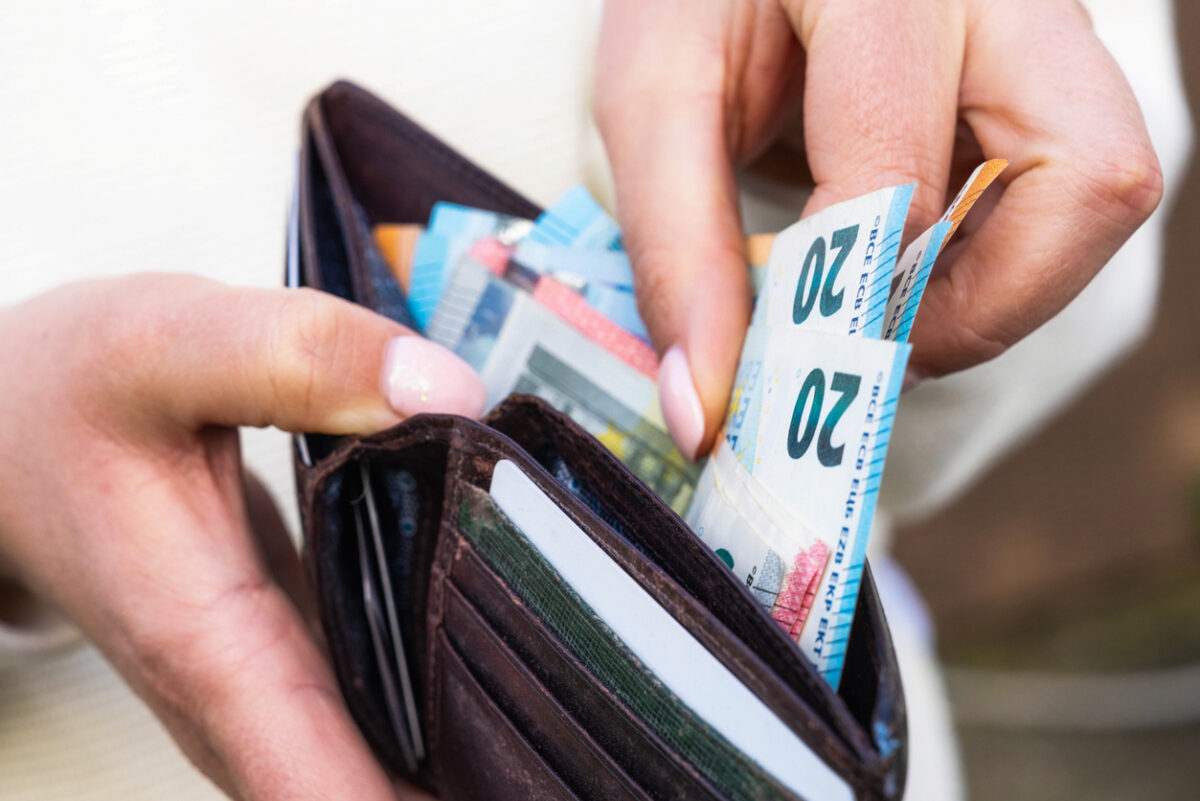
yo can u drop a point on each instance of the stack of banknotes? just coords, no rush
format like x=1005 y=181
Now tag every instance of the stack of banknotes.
x=786 y=499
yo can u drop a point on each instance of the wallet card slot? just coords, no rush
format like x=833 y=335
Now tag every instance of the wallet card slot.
x=334 y=558
x=630 y=509
x=656 y=767
x=409 y=488
x=566 y=745
x=407 y=485
x=473 y=729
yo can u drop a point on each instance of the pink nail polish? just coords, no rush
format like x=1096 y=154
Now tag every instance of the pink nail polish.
x=680 y=403
x=422 y=376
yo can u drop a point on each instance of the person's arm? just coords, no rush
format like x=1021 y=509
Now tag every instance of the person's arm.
x=123 y=501
x=686 y=91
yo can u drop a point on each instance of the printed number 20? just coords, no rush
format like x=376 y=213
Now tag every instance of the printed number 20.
x=843 y=240
x=814 y=385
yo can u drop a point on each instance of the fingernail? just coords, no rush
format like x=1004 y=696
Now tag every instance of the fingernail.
x=422 y=376
x=911 y=379
x=680 y=403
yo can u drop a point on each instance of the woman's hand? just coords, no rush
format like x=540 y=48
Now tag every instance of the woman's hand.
x=122 y=500
x=686 y=91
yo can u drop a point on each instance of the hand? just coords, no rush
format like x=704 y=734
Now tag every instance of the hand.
x=685 y=91
x=122 y=501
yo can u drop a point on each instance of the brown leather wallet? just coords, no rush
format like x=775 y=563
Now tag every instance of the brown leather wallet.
x=460 y=685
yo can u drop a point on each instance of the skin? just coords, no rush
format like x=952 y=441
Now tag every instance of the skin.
x=129 y=510
x=887 y=93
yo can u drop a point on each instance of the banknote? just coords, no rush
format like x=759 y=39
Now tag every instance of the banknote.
x=980 y=179
x=915 y=265
x=484 y=274
x=452 y=231
x=913 y=269
x=400 y=244
x=811 y=439
x=577 y=220
x=832 y=270
x=397 y=243
x=821 y=439
x=771 y=510
x=460 y=299
x=608 y=267
x=452 y=219
x=758 y=249
x=522 y=342
x=602 y=277
x=771 y=550
x=758 y=246
x=536 y=353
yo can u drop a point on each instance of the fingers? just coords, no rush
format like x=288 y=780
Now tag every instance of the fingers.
x=268 y=711
x=300 y=360
x=880 y=98
x=1083 y=177
x=660 y=107
x=220 y=653
x=277 y=721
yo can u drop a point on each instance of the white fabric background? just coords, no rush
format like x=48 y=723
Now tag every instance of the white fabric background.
x=144 y=135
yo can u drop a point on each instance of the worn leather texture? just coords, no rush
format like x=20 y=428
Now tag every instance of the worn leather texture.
x=507 y=710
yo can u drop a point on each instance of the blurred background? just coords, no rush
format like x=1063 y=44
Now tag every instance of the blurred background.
x=1074 y=658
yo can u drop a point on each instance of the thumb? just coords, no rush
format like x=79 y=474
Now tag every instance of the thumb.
x=300 y=360
x=678 y=207
x=226 y=662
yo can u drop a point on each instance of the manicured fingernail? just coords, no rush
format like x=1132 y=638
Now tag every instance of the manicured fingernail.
x=911 y=379
x=680 y=403
x=422 y=376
